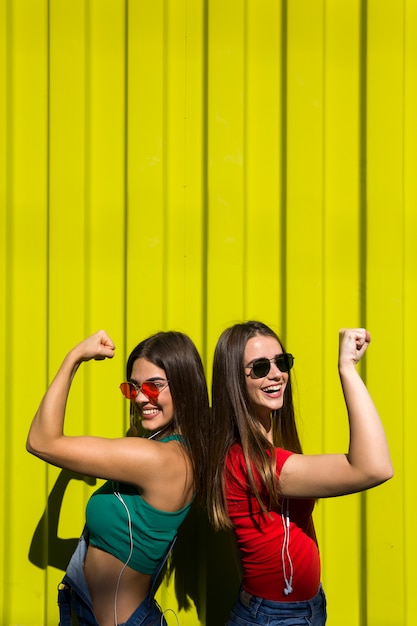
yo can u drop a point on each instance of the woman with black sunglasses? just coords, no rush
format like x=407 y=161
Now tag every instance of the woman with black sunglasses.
x=261 y=485
x=132 y=520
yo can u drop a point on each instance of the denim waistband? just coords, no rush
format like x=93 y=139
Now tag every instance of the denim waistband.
x=276 y=608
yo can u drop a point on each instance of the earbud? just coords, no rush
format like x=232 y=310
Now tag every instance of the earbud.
x=287 y=590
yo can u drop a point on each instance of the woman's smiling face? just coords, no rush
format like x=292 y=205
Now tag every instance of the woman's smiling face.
x=154 y=413
x=265 y=394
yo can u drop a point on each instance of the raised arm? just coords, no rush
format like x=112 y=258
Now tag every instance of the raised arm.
x=129 y=459
x=368 y=448
x=48 y=424
x=367 y=462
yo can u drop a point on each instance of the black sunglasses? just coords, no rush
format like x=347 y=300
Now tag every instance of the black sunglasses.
x=260 y=367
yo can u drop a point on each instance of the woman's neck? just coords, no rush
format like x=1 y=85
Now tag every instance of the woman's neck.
x=164 y=430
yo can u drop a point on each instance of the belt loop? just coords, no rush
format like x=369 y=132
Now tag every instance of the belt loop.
x=64 y=603
x=251 y=602
x=245 y=597
x=255 y=604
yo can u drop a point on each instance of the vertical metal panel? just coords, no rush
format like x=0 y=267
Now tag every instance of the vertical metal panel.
x=188 y=164
x=4 y=400
x=145 y=224
x=385 y=266
x=341 y=267
x=225 y=145
x=263 y=163
x=25 y=130
x=406 y=450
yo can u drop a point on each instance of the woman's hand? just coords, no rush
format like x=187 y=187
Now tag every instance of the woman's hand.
x=98 y=346
x=353 y=343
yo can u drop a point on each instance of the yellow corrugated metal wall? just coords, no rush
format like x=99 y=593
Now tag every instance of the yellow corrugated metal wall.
x=187 y=164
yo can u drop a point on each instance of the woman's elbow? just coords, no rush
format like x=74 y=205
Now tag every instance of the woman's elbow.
x=30 y=443
x=33 y=446
x=389 y=472
x=30 y=447
x=381 y=474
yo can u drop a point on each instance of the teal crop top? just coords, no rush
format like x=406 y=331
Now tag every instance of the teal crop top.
x=152 y=529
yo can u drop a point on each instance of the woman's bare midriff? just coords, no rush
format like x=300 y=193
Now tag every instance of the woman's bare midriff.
x=102 y=571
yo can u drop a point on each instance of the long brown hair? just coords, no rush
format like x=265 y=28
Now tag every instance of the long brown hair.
x=176 y=354
x=232 y=420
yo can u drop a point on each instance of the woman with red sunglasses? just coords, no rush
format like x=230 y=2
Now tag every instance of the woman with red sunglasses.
x=133 y=519
x=261 y=485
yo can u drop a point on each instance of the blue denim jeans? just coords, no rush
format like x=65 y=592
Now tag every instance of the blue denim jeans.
x=74 y=596
x=251 y=610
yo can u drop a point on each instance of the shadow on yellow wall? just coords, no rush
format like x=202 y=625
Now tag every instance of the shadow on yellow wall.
x=46 y=547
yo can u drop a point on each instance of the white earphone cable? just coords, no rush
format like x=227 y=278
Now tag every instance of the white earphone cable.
x=285 y=550
x=172 y=611
x=119 y=497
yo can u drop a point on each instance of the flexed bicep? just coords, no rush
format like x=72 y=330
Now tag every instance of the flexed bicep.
x=322 y=476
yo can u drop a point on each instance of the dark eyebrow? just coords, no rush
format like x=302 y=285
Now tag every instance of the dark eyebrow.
x=148 y=380
x=258 y=358
x=261 y=358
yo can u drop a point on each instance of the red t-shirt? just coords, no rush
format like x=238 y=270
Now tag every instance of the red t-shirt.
x=260 y=536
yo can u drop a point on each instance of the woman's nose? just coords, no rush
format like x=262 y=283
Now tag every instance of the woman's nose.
x=274 y=371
